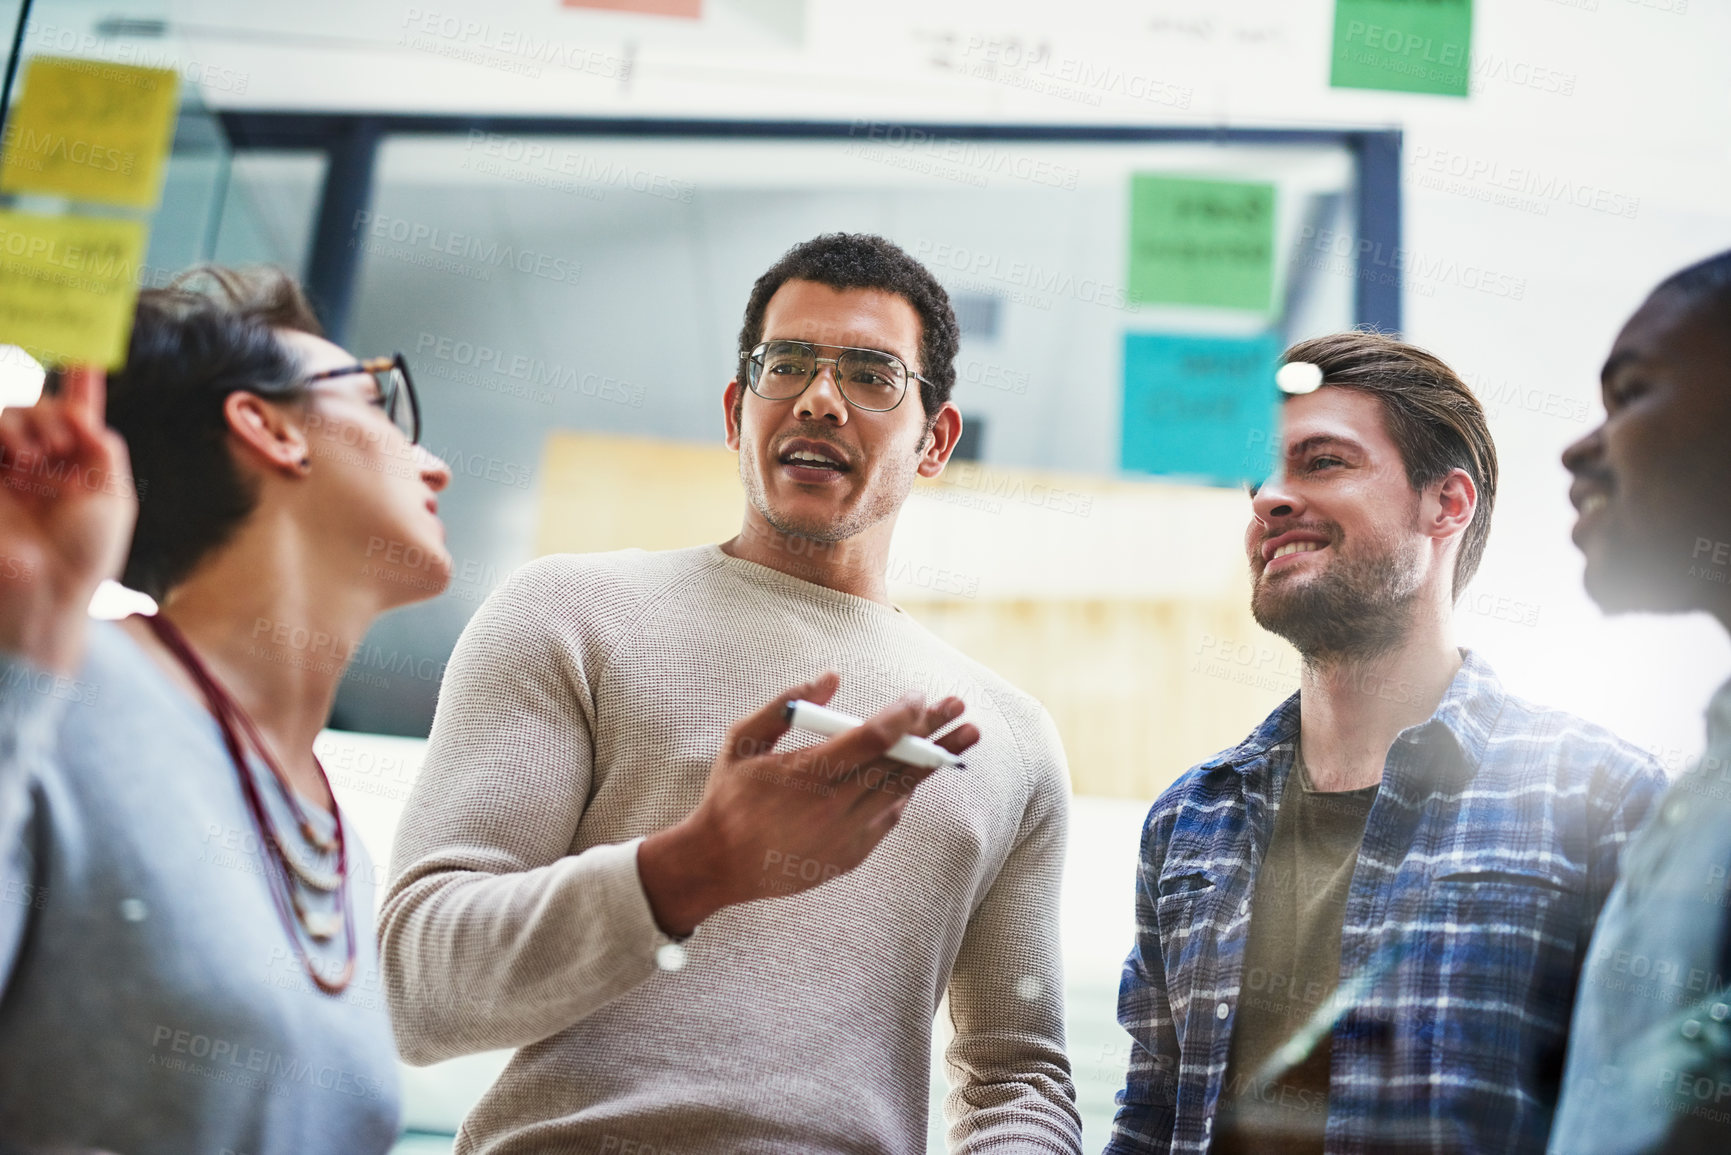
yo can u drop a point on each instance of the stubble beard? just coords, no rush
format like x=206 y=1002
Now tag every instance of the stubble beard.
x=1357 y=608
x=852 y=521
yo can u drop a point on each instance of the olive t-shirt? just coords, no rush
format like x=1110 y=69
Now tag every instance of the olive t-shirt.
x=1291 y=967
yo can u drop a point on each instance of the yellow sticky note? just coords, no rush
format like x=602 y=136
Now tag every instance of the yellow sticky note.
x=92 y=131
x=68 y=285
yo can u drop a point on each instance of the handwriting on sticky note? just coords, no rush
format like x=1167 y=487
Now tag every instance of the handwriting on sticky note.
x=1198 y=407
x=68 y=286
x=91 y=131
x=1201 y=242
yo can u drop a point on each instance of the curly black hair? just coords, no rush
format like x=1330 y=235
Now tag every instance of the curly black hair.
x=866 y=261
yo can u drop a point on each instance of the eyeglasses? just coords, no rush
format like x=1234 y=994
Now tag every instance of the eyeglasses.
x=396 y=391
x=869 y=379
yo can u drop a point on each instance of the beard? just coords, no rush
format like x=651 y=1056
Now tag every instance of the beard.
x=1356 y=608
x=881 y=500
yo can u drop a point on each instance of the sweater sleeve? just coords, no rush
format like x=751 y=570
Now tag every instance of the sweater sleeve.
x=1009 y=1074
x=30 y=711
x=492 y=934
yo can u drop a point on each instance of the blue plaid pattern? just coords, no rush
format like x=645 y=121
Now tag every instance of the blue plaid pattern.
x=1491 y=847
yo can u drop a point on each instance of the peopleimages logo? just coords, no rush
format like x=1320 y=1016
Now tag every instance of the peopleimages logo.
x=1542 y=188
x=97 y=51
x=1339 y=251
x=533 y=375
x=498 y=46
x=1039 y=283
x=1006 y=60
x=191 y=1053
x=465 y=246
x=561 y=169
x=982 y=159
x=102 y=262
x=30 y=149
x=58 y=686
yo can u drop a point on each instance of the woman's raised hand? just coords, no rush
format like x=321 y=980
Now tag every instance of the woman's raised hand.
x=67 y=507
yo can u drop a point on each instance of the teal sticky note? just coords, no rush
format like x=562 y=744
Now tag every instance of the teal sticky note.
x=1403 y=45
x=1202 y=409
x=1201 y=242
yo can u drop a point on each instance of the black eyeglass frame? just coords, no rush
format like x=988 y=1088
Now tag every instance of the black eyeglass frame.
x=754 y=358
x=373 y=367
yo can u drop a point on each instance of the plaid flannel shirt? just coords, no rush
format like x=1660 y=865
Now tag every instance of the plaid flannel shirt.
x=1491 y=847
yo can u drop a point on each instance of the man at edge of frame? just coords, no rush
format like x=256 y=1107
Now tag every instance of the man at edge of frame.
x=1649 y=1064
x=1360 y=929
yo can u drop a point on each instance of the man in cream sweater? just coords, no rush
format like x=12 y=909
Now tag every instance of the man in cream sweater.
x=703 y=934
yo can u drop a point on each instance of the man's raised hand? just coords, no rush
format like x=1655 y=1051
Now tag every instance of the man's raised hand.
x=775 y=823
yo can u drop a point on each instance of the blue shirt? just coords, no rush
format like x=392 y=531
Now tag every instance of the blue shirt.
x=1492 y=844
x=1650 y=1058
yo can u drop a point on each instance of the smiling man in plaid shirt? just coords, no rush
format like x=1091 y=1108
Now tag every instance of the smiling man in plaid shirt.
x=1360 y=929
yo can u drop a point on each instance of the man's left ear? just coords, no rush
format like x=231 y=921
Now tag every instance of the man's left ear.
x=941 y=441
x=1451 y=511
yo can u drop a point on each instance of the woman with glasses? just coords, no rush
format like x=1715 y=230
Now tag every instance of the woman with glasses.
x=187 y=959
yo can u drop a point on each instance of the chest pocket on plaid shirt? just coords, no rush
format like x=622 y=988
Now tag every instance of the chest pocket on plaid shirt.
x=1502 y=944
x=1183 y=907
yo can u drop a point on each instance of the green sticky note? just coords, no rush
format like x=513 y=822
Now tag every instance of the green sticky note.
x=91 y=131
x=1403 y=45
x=1201 y=242
x=68 y=286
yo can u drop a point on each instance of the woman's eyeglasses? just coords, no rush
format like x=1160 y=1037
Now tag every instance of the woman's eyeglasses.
x=396 y=391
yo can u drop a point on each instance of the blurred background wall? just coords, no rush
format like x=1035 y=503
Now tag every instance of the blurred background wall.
x=1587 y=161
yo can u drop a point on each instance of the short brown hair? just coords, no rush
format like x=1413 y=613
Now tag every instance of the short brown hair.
x=211 y=332
x=1433 y=417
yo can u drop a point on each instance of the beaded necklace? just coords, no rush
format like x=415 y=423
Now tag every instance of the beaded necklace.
x=290 y=908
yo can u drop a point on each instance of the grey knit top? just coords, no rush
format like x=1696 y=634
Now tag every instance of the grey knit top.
x=151 y=1002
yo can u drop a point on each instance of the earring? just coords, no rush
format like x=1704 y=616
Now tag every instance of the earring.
x=306 y=465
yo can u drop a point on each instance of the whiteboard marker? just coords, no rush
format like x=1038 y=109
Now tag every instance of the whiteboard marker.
x=908 y=749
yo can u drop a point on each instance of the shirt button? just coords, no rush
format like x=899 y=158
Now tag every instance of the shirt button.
x=1208 y=1125
x=1244 y=907
x=1220 y=1012
x=670 y=957
x=1719 y=1011
x=1675 y=810
x=1691 y=1029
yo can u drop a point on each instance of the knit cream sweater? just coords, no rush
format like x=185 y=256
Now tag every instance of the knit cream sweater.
x=581 y=712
